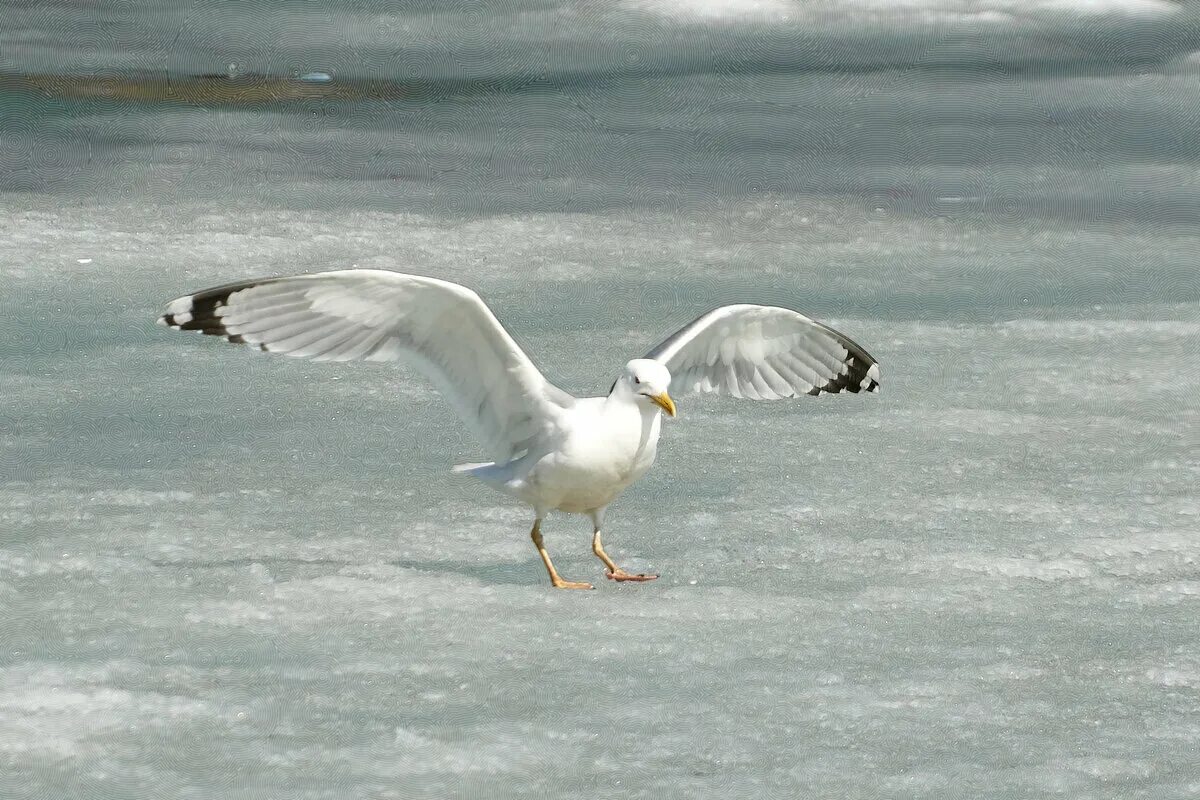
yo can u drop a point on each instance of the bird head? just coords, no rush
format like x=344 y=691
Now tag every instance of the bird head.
x=647 y=381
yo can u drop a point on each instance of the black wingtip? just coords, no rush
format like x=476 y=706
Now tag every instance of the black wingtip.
x=201 y=311
x=862 y=370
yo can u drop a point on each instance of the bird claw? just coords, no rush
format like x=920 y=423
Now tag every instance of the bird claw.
x=621 y=576
x=573 y=585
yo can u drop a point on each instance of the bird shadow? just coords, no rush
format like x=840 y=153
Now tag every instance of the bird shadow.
x=498 y=573
x=495 y=573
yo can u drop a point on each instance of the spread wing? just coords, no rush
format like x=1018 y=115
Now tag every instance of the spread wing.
x=443 y=329
x=764 y=353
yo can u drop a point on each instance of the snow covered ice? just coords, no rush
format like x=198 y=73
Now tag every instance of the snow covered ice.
x=227 y=575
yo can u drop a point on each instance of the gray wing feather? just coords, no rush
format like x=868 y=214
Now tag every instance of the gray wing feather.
x=444 y=329
x=764 y=353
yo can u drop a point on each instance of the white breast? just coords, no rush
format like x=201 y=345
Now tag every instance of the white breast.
x=606 y=447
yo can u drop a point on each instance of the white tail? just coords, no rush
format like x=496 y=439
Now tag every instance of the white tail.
x=468 y=469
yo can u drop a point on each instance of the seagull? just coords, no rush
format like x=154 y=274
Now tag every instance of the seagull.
x=549 y=449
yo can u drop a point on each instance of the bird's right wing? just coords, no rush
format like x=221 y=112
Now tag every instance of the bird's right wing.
x=764 y=353
x=443 y=328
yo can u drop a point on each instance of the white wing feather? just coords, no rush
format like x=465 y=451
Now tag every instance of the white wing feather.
x=443 y=328
x=764 y=353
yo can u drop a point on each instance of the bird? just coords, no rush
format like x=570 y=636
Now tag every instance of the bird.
x=547 y=448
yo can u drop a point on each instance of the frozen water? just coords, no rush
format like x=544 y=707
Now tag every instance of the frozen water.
x=225 y=575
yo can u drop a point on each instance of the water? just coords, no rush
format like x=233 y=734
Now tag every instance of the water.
x=226 y=575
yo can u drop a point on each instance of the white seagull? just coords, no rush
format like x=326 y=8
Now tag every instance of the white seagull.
x=548 y=448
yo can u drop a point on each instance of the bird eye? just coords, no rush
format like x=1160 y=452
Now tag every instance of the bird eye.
x=637 y=380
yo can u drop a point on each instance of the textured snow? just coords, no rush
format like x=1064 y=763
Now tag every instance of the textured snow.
x=225 y=579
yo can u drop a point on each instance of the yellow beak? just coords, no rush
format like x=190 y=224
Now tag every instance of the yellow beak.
x=664 y=402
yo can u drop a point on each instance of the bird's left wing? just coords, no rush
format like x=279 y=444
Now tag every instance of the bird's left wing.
x=443 y=328
x=764 y=353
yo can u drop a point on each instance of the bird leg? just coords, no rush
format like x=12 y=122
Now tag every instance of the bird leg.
x=559 y=583
x=615 y=573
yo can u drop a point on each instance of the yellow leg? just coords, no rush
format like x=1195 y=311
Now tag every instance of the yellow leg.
x=559 y=583
x=615 y=573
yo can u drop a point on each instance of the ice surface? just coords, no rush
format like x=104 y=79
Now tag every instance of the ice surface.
x=225 y=575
